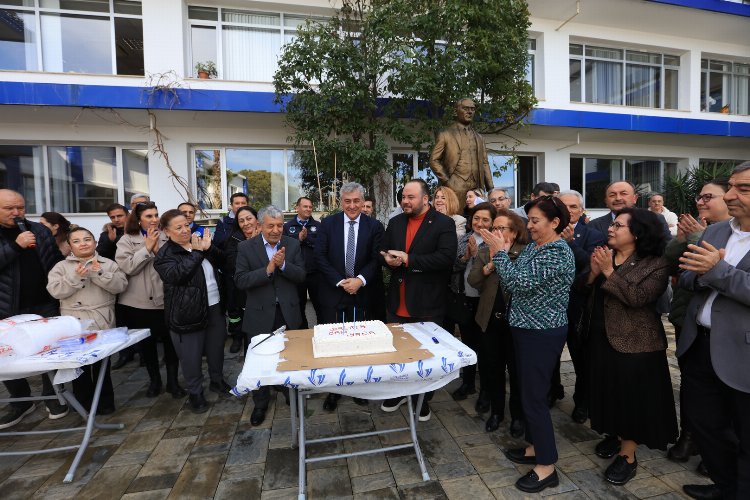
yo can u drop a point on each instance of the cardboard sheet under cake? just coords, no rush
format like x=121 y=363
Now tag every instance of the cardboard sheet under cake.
x=298 y=352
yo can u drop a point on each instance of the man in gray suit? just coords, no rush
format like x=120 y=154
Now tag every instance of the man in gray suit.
x=269 y=268
x=714 y=346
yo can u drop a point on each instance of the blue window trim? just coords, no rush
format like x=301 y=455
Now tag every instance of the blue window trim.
x=721 y=6
x=105 y=96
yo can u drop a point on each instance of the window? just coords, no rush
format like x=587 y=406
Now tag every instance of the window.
x=82 y=178
x=725 y=87
x=530 y=69
x=73 y=179
x=408 y=166
x=268 y=176
x=604 y=75
x=82 y=36
x=21 y=170
x=517 y=175
x=591 y=176
x=135 y=172
x=244 y=45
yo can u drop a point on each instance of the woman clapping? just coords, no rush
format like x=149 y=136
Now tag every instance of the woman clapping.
x=539 y=281
x=631 y=389
x=186 y=265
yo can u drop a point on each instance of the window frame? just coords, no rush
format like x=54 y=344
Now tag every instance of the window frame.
x=38 y=11
x=733 y=75
x=583 y=58
x=624 y=160
x=287 y=151
x=219 y=23
x=46 y=178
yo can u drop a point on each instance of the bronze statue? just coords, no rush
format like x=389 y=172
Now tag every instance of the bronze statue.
x=459 y=158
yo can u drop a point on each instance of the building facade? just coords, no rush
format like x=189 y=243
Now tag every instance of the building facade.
x=100 y=99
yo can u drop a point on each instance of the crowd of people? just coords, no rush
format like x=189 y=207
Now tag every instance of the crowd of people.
x=515 y=284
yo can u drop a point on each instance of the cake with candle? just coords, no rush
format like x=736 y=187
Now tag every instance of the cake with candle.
x=351 y=339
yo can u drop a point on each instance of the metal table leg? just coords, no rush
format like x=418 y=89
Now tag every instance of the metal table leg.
x=413 y=427
x=293 y=411
x=90 y=421
x=302 y=457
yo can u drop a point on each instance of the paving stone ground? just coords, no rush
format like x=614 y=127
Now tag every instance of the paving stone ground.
x=167 y=452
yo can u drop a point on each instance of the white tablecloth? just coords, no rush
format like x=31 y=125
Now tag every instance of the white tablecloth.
x=67 y=363
x=369 y=382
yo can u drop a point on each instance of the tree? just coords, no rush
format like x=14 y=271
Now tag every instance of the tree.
x=383 y=72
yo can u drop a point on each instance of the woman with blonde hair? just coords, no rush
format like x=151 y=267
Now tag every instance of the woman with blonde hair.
x=446 y=202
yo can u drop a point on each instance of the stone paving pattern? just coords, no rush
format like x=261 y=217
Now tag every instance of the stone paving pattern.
x=168 y=452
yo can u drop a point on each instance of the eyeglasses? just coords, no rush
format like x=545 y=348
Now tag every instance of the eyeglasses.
x=705 y=198
x=499 y=198
x=500 y=228
x=617 y=225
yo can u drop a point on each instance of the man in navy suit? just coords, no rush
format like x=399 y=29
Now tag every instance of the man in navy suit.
x=346 y=253
x=582 y=239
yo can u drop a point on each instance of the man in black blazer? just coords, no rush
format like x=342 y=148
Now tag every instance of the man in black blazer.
x=582 y=239
x=269 y=268
x=619 y=195
x=346 y=253
x=420 y=246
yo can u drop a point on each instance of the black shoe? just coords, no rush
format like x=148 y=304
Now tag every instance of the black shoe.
x=175 y=390
x=530 y=483
x=14 y=415
x=331 y=402
x=154 y=389
x=554 y=396
x=122 y=360
x=608 y=447
x=620 y=471
x=220 y=388
x=580 y=415
x=517 y=427
x=236 y=345
x=424 y=413
x=683 y=449
x=56 y=410
x=105 y=410
x=360 y=402
x=198 y=403
x=393 y=404
x=257 y=416
x=493 y=423
x=483 y=403
x=702 y=491
x=463 y=392
x=702 y=470
x=518 y=456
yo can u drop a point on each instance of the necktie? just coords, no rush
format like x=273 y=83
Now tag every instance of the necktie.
x=350 y=250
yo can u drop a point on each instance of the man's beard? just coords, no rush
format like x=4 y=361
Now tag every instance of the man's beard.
x=415 y=211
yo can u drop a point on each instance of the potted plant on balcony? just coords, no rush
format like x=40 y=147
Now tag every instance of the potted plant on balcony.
x=206 y=70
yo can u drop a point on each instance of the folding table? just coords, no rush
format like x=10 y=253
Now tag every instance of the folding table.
x=368 y=382
x=65 y=366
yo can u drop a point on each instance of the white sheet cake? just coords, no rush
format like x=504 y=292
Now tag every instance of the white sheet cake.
x=351 y=339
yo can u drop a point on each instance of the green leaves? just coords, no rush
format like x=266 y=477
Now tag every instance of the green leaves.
x=389 y=72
